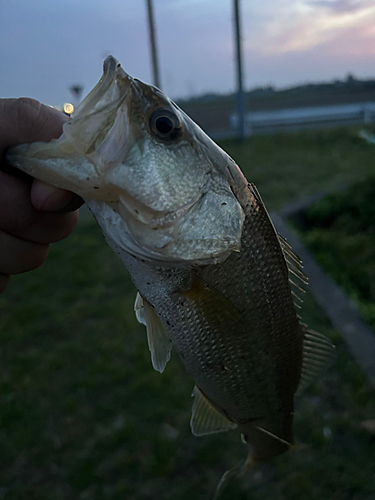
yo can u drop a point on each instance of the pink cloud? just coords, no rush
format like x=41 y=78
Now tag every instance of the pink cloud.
x=358 y=41
x=340 y=6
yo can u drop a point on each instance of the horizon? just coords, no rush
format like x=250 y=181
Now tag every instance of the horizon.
x=344 y=81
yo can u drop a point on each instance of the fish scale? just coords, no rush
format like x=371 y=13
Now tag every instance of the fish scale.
x=256 y=280
x=264 y=331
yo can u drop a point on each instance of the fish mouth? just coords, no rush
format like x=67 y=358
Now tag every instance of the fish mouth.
x=71 y=161
x=112 y=72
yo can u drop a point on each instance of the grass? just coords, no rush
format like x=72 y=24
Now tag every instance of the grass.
x=340 y=232
x=84 y=416
x=288 y=167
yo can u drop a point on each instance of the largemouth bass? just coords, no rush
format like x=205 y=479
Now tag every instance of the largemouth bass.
x=213 y=276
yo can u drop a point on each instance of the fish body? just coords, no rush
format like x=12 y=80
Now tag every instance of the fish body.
x=212 y=274
x=237 y=332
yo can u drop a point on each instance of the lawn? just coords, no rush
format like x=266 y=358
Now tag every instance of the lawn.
x=84 y=416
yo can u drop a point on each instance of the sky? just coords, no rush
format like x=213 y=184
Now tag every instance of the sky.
x=48 y=45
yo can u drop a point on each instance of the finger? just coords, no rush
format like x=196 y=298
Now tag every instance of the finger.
x=19 y=218
x=46 y=197
x=27 y=120
x=75 y=203
x=16 y=172
x=18 y=256
x=4 y=280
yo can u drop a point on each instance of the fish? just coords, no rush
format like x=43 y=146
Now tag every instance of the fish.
x=214 y=279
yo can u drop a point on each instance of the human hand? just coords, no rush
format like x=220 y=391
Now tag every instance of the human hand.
x=32 y=213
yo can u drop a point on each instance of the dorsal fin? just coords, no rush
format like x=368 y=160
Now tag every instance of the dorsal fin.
x=255 y=193
x=297 y=279
x=318 y=355
x=205 y=418
x=158 y=340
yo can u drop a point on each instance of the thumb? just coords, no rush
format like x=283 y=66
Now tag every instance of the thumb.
x=26 y=120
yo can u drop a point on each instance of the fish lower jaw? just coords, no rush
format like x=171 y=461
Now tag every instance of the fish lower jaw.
x=152 y=218
x=167 y=245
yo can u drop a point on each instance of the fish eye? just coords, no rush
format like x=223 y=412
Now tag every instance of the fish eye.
x=165 y=124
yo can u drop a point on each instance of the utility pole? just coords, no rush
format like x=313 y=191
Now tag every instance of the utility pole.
x=154 y=55
x=76 y=91
x=240 y=94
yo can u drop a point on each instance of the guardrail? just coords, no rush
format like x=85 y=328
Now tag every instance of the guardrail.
x=298 y=118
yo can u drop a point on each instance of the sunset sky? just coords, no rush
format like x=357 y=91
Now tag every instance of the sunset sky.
x=45 y=46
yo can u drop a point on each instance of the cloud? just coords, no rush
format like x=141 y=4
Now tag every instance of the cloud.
x=308 y=26
x=340 y=6
x=347 y=47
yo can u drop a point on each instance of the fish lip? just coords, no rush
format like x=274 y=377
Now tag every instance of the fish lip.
x=110 y=65
x=112 y=73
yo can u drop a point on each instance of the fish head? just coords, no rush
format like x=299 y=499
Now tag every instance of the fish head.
x=158 y=186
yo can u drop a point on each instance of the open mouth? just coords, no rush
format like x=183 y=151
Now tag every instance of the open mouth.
x=112 y=71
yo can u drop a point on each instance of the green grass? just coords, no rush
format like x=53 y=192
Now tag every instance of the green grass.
x=288 y=167
x=340 y=231
x=84 y=416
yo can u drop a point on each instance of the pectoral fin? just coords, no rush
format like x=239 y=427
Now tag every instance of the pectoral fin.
x=158 y=341
x=206 y=419
x=139 y=309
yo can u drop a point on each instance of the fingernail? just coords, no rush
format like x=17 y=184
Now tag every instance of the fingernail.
x=49 y=198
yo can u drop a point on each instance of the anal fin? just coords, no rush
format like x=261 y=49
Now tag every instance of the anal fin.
x=158 y=341
x=206 y=419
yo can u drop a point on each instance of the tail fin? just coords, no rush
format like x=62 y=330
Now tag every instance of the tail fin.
x=227 y=476
x=242 y=468
x=238 y=470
